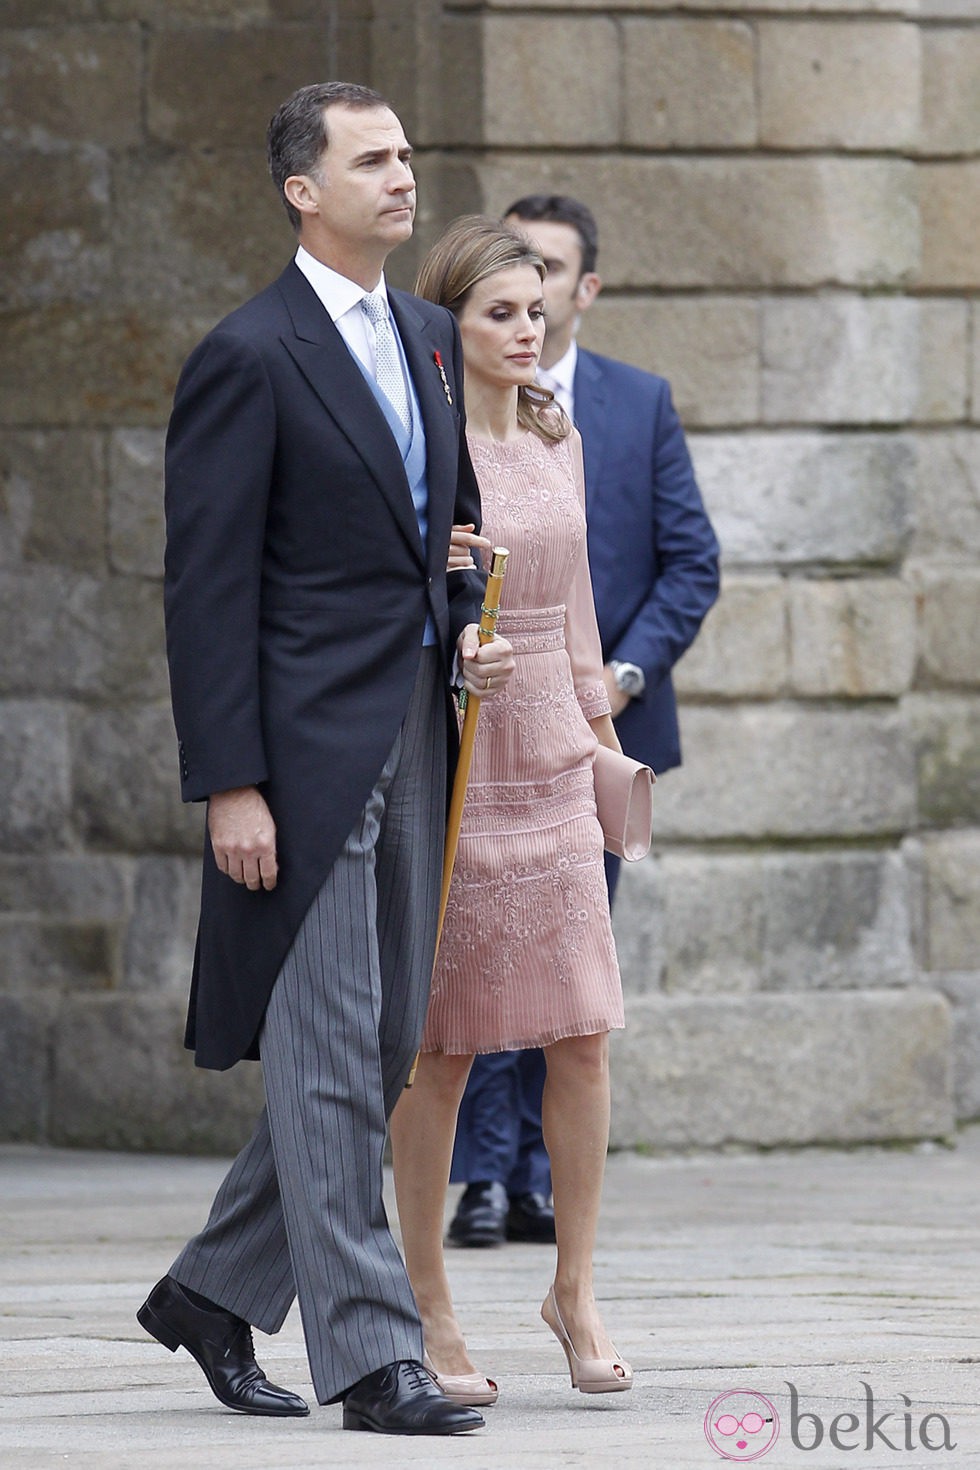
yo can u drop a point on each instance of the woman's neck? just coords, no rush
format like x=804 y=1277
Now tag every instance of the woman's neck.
x=491 y=411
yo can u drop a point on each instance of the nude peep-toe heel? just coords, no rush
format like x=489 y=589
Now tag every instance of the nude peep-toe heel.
x=589 y=1375
x=471 y=1389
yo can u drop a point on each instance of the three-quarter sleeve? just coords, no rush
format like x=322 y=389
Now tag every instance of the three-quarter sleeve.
x=581 y=630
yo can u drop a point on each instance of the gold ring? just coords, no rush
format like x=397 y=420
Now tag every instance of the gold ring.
x=487 y=684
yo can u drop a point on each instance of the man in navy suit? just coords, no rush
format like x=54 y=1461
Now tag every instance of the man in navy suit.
x=654 y=563
x=316 y=461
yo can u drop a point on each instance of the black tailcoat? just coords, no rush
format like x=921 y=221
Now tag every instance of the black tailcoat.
x=296 y=593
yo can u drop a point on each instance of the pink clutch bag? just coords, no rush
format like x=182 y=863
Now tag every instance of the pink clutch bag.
x=624 y=803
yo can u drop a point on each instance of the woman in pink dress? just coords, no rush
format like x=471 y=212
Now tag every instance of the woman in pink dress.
x=527 y=956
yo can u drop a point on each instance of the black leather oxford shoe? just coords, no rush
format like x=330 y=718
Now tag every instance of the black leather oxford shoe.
x=530 y=1217
x=222 y=1345
x=481 y=1215
x=402 y=1398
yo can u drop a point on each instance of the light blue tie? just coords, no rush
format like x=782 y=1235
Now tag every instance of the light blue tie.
x=388 y=367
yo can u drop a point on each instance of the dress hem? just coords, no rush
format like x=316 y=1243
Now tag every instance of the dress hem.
x=585 y=1028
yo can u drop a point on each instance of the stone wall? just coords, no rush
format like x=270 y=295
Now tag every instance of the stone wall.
x=789 y=199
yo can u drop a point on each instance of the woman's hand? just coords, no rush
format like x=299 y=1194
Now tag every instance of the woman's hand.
x=462 y=543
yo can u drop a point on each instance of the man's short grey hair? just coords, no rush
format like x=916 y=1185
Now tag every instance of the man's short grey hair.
x=298 y=134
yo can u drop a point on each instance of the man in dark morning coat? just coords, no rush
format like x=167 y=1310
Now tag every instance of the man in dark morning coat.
x=654 y=564
x=315 y=464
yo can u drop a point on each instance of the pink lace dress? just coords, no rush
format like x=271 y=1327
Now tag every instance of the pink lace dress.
x=527 y=953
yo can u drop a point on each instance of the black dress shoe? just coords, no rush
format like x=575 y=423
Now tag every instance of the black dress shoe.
x=530 y=1217
x=222 y=1345
x=481 y=1215
x=402 y=1398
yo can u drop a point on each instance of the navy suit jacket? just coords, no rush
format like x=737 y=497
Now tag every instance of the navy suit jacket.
x=652 y=552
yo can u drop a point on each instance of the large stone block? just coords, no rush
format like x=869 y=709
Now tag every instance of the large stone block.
x=73 y=84
x=64 y=918
x=949 y=195
x=854 y=637
x=47 y=356
x=947 y=495
x=136 y=520
x=952 y=876
x=784 y=771
x=55 y=228
x=736 y=221
x=753 y=7
x=163 y=13
x=25 y=1067
x=778 y=1070
x=125 y=787
x=209 y=86
x=70 y=634
x=52 y=954
x=707 y=346
x=689 y=83
x=948 y=601
x=70 y=886
x=159 y=943
x=18 y=13
x=838 y=85
x=861 y=360
x=33 y=775
x=52 y=498
x=574 y=98
x=975 y=366
x=182 y=245
x=741 y=651
x=946 y=732
x=795 y=498
x=52 y=645
x=944 y=361
x=739 y=922
x=123 y=1080
x=951 y=89
x=944 y=9
x=962 y=990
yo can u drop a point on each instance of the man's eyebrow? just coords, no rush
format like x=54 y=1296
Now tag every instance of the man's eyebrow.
x=370 y=155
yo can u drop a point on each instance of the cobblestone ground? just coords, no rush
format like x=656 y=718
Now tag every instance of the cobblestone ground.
x=823 y=1270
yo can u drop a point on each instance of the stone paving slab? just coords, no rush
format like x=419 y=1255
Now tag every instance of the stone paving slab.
x=825 y=1270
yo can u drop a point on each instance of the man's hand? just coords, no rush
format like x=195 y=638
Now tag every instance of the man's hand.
x=243 y=837
x=617 y=699
x=485 y=667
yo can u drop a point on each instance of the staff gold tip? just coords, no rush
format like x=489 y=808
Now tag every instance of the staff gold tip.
x=498 y=561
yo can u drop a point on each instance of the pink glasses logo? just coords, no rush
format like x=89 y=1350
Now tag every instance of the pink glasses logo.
x=741 y=1425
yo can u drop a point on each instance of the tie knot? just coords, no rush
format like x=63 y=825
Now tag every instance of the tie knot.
x=375 y=307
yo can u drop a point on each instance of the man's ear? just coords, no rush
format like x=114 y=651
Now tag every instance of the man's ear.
x=587 y=290
x=301 y=193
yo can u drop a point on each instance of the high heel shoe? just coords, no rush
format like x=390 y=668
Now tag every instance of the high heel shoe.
x=589 y=1375
x=465 y=1388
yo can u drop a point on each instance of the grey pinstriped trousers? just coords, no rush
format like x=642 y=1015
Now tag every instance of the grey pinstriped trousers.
x=300 y=1213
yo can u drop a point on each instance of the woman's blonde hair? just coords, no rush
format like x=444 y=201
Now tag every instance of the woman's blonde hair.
x=470 y=250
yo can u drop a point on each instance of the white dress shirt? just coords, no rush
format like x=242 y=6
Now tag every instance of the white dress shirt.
x=560 y=378
x=342 y=299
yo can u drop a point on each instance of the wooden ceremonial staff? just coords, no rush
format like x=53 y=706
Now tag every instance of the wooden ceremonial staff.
x=471 y=704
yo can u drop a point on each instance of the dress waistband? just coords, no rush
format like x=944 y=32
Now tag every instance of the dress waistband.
x=533 y=629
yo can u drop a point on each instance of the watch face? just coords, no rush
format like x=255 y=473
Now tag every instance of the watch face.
x=630 y=681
